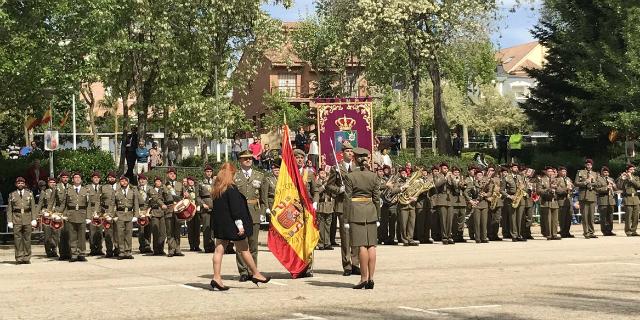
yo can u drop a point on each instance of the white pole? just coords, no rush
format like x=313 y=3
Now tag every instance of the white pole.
x=73 y=106
x=226 y=144
x=217 y=117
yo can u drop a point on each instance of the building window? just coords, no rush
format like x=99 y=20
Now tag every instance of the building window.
x=287 y=85
x=520 y=92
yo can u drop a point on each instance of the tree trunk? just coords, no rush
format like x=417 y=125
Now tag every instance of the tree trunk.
x=403 y=138
x=204 y=150
x=146 y=90
x=125 y=130
x=494 y=141
x=439 y=115
x=179 y=153
x=165 y=137
x=89 y=99
x=414 y=63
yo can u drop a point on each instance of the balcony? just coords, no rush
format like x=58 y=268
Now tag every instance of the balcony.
x=291 y=93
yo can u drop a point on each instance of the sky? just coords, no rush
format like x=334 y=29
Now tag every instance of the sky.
x=513 y=27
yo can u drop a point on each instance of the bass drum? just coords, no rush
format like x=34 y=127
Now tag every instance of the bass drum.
x=185 y=210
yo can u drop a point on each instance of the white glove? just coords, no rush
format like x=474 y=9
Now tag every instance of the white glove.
x=34 y=223
x=268 y=211
x=10 y=225
x=87 y=221
x=341 y=189
x=134 y=219
x=346 y=226
x=377 y=223
x=263 y=218
x=315 y=206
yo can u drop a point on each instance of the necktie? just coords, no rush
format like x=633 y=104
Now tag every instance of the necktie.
x=77 y=190
x=95 y=187
x=20 y=193
x=246 y=175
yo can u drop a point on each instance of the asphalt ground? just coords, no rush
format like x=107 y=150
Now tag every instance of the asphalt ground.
x=539 y=279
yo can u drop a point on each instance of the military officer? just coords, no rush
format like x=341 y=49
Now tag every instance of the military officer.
x=269 y=187
x=586 y=183
x=458 y=204
x=512 y=184
x=362 y=212
x=335 y=185
x=469 y=180
x=478 y=193
x=144 y=232
x=629 y=183
x=23 y=213
x=527 y=217
x=205 y=202
x=565 y=192
x=548 y=188
x=95 y=231
x=442 y=202
x=324 y=211
x=107 y=194
x=174 y=192
x=61 y=189
x=505 y=220
x=126 y=209
x=423 y=212
x=76 y=206
x=606 y=189
x=249 y=182
x=47 y=203
x=193 y=225
x=436 y=232
x=389 y=210
x=157 y=200
x=495 y=205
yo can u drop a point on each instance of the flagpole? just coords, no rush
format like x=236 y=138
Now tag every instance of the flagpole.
x=73 y=106
x=51 y=172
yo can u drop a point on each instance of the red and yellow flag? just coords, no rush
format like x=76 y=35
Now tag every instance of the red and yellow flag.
x=63 y=121
x=293 y=233
x=31 y=123
x=46 y=117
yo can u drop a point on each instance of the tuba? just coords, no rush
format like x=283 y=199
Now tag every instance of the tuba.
x=386 y=194
x=495 y=195
x=520 y=193
x=414 y=187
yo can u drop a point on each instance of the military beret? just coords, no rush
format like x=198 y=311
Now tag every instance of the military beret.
x=157 y=178
x=561 y=168
x=434 y=167
x=298 y=153
x=64 y=173
x=246 y=154
x=52 y=179
x=191 y=178
x=123 y=177
x=604 y=168
x=630 y=165
x=77 y=173
x=361 y=152
x=95 y=174
x=386 y=166
x=379 y=169
x=588 y=161
x=20 y=179
x=142 y=177
x=41 y=183
x=208 y=168
x=346 y=145
x=171 y=169
x=402 y=169
x=548 y=167
x=454 y=168
x=111 y=174
x=513 y=164
x=443 y=164
x=276 y=163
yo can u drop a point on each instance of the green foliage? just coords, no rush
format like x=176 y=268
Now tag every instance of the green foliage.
x=278 y=108
x=428 y=160
x=627 y=122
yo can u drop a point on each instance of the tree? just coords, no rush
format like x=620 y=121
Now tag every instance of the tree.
x=278 y=108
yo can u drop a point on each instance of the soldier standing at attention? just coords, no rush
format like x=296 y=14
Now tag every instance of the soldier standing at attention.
x=478 y=194
x=336 y=187
x=249 y=182
x=406 y=221
x=144 y=232
x=527 y=217
x=495 y=205
x=23 y=212
x=308 y=178
x=77 y=208
x=126 y=210
x=47 y=202
x=174 y=192
x=325 y=211
x=205 y=202
x=606 y=189
x=442 y=202
x=157 y=199
x=193 y=225
x=458 y=204
x=469 y=180
x=423 y=213
x=268 y=188
x=565 y=192
x=629 y=184
x=61 y=189
x=549 y=206
x=107 y=194
x=513 y=183
x=95 y=232
x=362 y=212
x=586 y=182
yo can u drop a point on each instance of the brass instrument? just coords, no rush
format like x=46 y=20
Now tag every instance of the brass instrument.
x=519 y=195
x=610 y=185
x=386 y=194
x=414 y=187
x=495 y=196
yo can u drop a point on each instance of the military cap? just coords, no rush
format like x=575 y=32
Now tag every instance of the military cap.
x=111 y=174
x=123 y=177
x=246 y=154
x=20 y=179
x=298 y=153
x=588 y=161
x=548 y=167
x=443 y=164
x=51 y=179
x=454 y=168
x=64 y=173
x=77 y=173
x=561 y=168
x=276 y=163
x=95 y=174
x=171 y=169
x=513 y=164
x=361 y=152
x=434 y=167
x=142 y=177
x=191 y=178
x=604 y=168
x=386 y=166
x=346 y=145
x=157 y=178
x=208 y=167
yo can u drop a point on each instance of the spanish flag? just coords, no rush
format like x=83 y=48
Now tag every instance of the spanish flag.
x=293 y=233
x=46 y=117
x=63 y=121
x=31 y=123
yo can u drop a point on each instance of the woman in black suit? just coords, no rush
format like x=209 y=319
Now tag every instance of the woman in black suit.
x=231 y=222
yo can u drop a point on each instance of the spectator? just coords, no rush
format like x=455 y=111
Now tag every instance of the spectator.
x=314 y=150
x=502 y=141
x=142 y=158
x=266 y=157
x=155 y=156
x=34 y=174
x=236 y=148
x=256 y=150
x=130 y=151
x=394 y=141
x=301 y=140
x=457 y=145
x=478 y=158
x=14 y=151
x=515 y=145
x=172 y=154
x=386 y=159
x=377 y=155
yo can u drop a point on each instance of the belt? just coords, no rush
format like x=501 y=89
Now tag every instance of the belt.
x=21 y=210
x=125 y=209
x=254 y=201
x=77 y=208
x=360 y=199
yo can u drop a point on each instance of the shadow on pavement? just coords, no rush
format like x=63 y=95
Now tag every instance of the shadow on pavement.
x=329 y=284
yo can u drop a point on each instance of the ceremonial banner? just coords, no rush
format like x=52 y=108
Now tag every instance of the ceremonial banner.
x=293 y=233
x=344 y=119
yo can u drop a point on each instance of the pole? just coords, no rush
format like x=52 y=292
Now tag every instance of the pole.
x=217 y=117
x=226 y=143
x=73 y=106
x=116 y=154
x=52 y=174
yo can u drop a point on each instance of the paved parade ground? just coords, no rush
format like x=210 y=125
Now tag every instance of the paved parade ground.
x=539 y=279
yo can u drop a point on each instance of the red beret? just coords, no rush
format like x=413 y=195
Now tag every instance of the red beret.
x=208 y=167
x=20 y=179
x=111 y=174
x=604 y=168
x=142 y=177
x=95 y=174
x=123 y=177
x=588 y=161
x=171 y=169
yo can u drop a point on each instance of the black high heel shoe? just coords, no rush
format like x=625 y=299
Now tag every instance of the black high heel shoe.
x=215 y=285
x=369 y=284
x=256 y=281
x=361 y=285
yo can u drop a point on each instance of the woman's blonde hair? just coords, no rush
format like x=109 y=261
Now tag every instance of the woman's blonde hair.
x=224 y=179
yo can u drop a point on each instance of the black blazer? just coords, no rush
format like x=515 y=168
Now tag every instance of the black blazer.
x=228 y=208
